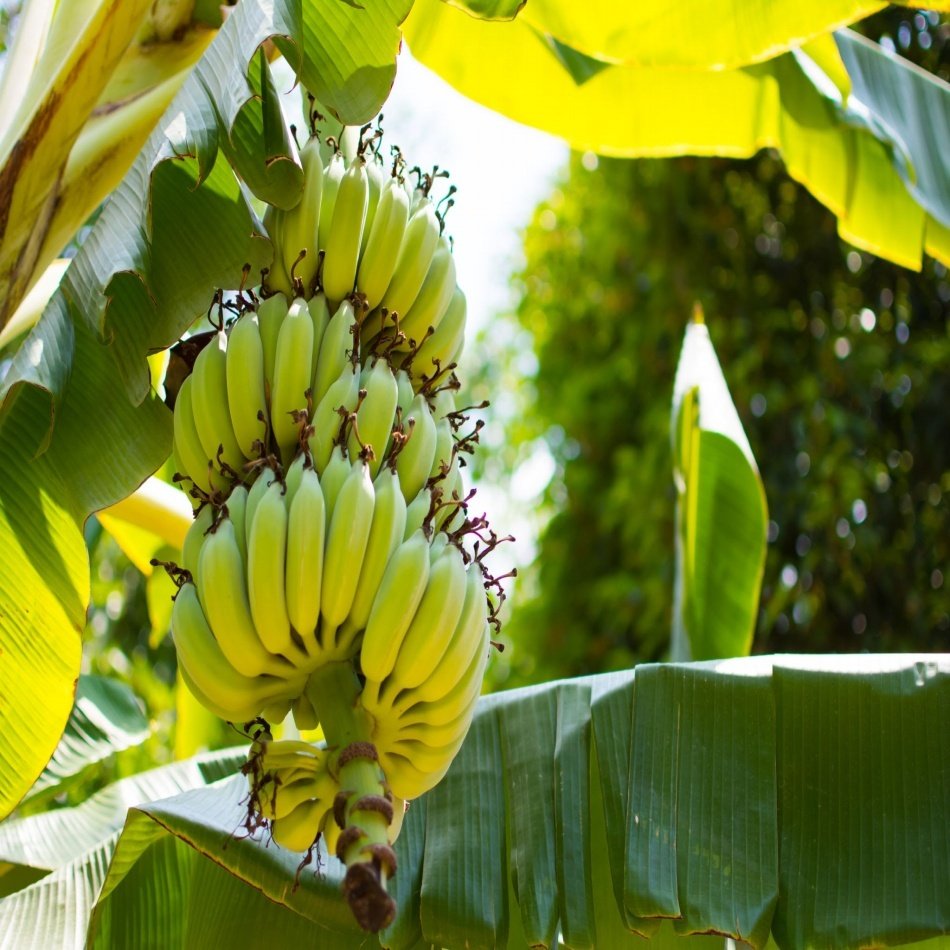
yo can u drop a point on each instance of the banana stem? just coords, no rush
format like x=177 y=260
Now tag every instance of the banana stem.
x=363 y=809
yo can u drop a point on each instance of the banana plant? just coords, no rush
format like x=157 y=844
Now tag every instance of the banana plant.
x=81 y=427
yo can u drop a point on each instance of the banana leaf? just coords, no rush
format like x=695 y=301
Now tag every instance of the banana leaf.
x=795 y=798
x=862 y=129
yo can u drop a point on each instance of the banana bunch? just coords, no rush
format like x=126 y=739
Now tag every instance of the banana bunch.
x=333 y=571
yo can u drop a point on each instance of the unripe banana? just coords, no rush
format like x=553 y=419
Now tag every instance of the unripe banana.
x=298 y=830
x=320 y=316
x=247 y=707
x=276 y=712
x=434 y=622
x=266 y=559
x=451 y=514
x=224 y=599
x=326 y=417
x=400 y=592
x=277 y=278
x=293 y=477
x=291 y=377
x=236 y=509
x=270 y=316
x=466 y=641
x=434 y=296
x=335 y=349
x=306 y=531
x=443 y=457
x=210 y=403
x=386 y=534
x=444 y=343
x=332 y=176
x=416 y=512
x=333 y=476
x=376 y=179
x=188 y=444
x=195 y=539
x=450 y=704
x=378 y=261
x=342 y=247
x=374 y=419
x=288 y=796
x=299 y=225
x=266 y=478
x=247 y=397
x=347 y=537
x=406 y=392
x=415 y=255
x=417 y=457
x=206 y=665
x=305 y=718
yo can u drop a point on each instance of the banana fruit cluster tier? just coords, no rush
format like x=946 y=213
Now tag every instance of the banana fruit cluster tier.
x=334 y=570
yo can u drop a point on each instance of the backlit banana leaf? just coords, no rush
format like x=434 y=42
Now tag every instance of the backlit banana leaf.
x=694 y=34
x=856 y=154
x=78 y=427
x=52 y=865
x=799 y=797
x=721 y=512
x=106 y=719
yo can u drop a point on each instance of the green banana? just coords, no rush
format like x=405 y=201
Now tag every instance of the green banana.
x=293 y=477
x=305 y=718
x=379 y=257
x=278 y=279
x=188 y=445
x=245 y=709
x=326 y=417
x=347 y=536
x=299 y=225
x=444 y=455
x=270 y=316
x=406 y=392
x=266 y=478
x=236 y=509
x=451 y=514
x=434 y=296
x=342 y=247
x=332 y=176
x=266 y=560
x=245 y=384
x=195 y=538
x=335 y=349
x=417 y=457
x=375 y=180
x=291 y=377
x=320 y=316
x=415 y=255
x=224 y=598
x=298 y=830
x=400 y=592
x=375 y=417
x=306 y=531
x=333 y=476
x=466 y=641
x=416 y=512
x=434 y=622
x=444 y=343
x=386 y=533
x=207 y=667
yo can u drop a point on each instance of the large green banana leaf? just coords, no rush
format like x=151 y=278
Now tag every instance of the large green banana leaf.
x=721 y=512
x=799 y=797
x=874 y=154
x=79 y=428
x=694 y=34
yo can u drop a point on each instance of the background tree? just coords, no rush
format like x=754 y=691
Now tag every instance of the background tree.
x=835 y=361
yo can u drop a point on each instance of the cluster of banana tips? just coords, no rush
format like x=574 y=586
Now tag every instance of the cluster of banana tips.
x=335 y=571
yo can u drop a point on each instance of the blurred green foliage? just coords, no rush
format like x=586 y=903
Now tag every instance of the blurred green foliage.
x=837 y=364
